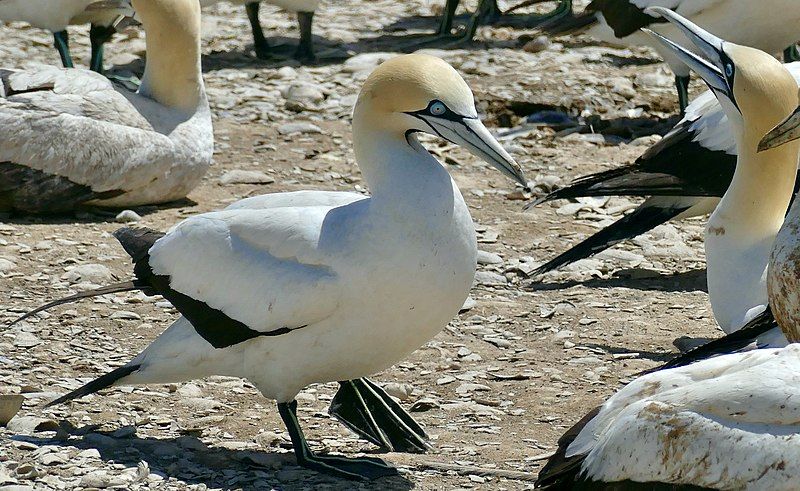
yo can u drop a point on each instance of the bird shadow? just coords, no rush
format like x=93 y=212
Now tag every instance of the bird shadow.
x=635 y=279
x=656 y=356
x=90 y=214
x=188 y=459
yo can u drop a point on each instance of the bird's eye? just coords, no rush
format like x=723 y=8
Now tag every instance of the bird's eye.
x=728 y=70
x=437 y=108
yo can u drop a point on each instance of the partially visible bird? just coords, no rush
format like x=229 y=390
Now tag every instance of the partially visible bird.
x=769 y=25
x=305 y=15
x=72 y=138
x=56 y=15
x=292 y=289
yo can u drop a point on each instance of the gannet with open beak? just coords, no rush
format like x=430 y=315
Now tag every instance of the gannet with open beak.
x=288 y=290
x=725 y=423
x=56 y=15
x=682 y=176
x=305 y=15
x=71 y=137
x=769 y=25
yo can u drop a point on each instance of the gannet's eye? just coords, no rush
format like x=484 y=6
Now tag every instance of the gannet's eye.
x=437 y=108
x=728 y=70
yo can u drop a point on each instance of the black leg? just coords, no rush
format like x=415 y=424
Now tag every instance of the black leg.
x=791 y=54
x=260 y=43
x=446 y=24
x=348 y=468
x=61 y=41
x=305 y=50
x=488 y=11
x=370 y=412
x=682 y=84
x=99 y=36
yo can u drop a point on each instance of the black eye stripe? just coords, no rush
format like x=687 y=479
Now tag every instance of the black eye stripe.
x=448 y=114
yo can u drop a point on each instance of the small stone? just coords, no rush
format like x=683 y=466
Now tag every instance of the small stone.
x=128 y=216
x=28 y=425
x=92 y=273
x=300 y=127
x=6 y=265
x=400 y=391
x=485 y=257
x=10 y=404
x=490 y=278
x=125 y=316
x=239 y=176
x=26 y=340
x=537 y=44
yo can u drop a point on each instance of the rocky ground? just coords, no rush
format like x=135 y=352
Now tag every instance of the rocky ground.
x=523 y=361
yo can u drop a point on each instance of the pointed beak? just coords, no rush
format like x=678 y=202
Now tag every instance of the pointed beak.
x=471 y=134
x=712 y=68
x=788 y=130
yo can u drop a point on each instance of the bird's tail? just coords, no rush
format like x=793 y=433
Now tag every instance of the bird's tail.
x=97 y=384
x=124 y=286
x=645 y=218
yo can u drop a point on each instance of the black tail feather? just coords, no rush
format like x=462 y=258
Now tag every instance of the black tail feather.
x=643 y=219
x=125 y=286
x=730 y=343
x=97 y=384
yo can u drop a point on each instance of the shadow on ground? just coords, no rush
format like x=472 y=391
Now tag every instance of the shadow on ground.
x=637 y=279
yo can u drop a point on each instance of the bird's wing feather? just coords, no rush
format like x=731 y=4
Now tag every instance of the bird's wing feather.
x=262 y=268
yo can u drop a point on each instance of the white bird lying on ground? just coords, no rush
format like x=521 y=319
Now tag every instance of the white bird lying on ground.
x=305 y=15
x=56 y=15
x=728 y=422
x=71 y=137
x=292 y=289
x=769 y=25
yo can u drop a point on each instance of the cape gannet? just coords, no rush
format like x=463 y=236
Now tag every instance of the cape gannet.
x=723 y=423
x=682 y=176
x=769 y=25
x=305 y=15
x=71 y=137
x=56 y=15
x=292 y=289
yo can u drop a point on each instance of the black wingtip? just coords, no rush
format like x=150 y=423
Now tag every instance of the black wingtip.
x=125 y=286
x=137 y=241
x=97 y=384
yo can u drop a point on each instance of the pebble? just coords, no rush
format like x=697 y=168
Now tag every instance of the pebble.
x=539 y=43
x=239 y=176
x=10 y=404
x=7 y=265
x=128 y=216
x=490 y=278
x=489 y=258
x=300 y=127
x=92 y=273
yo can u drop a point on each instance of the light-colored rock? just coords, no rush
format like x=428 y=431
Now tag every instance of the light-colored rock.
x=240 y=176
x=10 y=404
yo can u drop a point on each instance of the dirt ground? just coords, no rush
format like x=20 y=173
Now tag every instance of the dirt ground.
x=495 y=389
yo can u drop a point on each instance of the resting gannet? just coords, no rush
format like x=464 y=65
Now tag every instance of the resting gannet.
x=292 y=289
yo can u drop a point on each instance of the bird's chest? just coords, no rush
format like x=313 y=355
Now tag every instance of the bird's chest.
x=783 y=279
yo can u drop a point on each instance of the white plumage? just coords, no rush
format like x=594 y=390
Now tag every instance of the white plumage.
x=148 y=147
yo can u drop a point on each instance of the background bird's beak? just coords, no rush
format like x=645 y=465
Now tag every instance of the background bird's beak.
x=788 y=130
x=711 y=70
x=471 y=134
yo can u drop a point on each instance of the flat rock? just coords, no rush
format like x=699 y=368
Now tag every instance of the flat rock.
x=91 y=273
x=300 y=127
x=239 y=176
x=10 y=404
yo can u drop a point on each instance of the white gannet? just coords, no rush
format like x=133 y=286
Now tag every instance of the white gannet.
x=71 y=137
x=769 y=25
x=292 y=289
x=305 y=15
x=728 y=422
x=56 y=15
x=682 y=176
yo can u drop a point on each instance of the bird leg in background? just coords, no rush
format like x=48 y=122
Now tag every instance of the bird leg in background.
x=791 y=54
x=446 y=24
x=305 y=50
x=348 y=468
x=263 y=50
x=61 y=42
x=682 y=84
x=99 y=36
x=370 y=412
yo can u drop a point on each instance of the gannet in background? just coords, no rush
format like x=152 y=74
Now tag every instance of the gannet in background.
x=71 y=138
x=305 y=15
x=292 y=289
x=728 y=422
x=56 y=15
x=488 y=12
x=769 y=25
x=682 y=176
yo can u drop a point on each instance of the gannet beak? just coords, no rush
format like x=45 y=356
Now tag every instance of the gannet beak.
x=471 y=134
x=786 y=131
x=716 y=70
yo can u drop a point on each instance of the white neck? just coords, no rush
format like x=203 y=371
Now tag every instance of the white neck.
x=742 y=230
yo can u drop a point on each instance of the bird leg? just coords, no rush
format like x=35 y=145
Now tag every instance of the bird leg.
x=305 y=50
x=99 y=36
x=682 y=84
x=791 y=54
x=348 y=468
x=446 y=24
x=263 y=50
x=370 y=412
x=61 y=42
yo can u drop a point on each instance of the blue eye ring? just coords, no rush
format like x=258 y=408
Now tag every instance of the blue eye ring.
x=437 y=108
x=728 y=70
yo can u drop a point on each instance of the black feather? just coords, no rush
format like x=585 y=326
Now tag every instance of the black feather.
x=99 y=383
